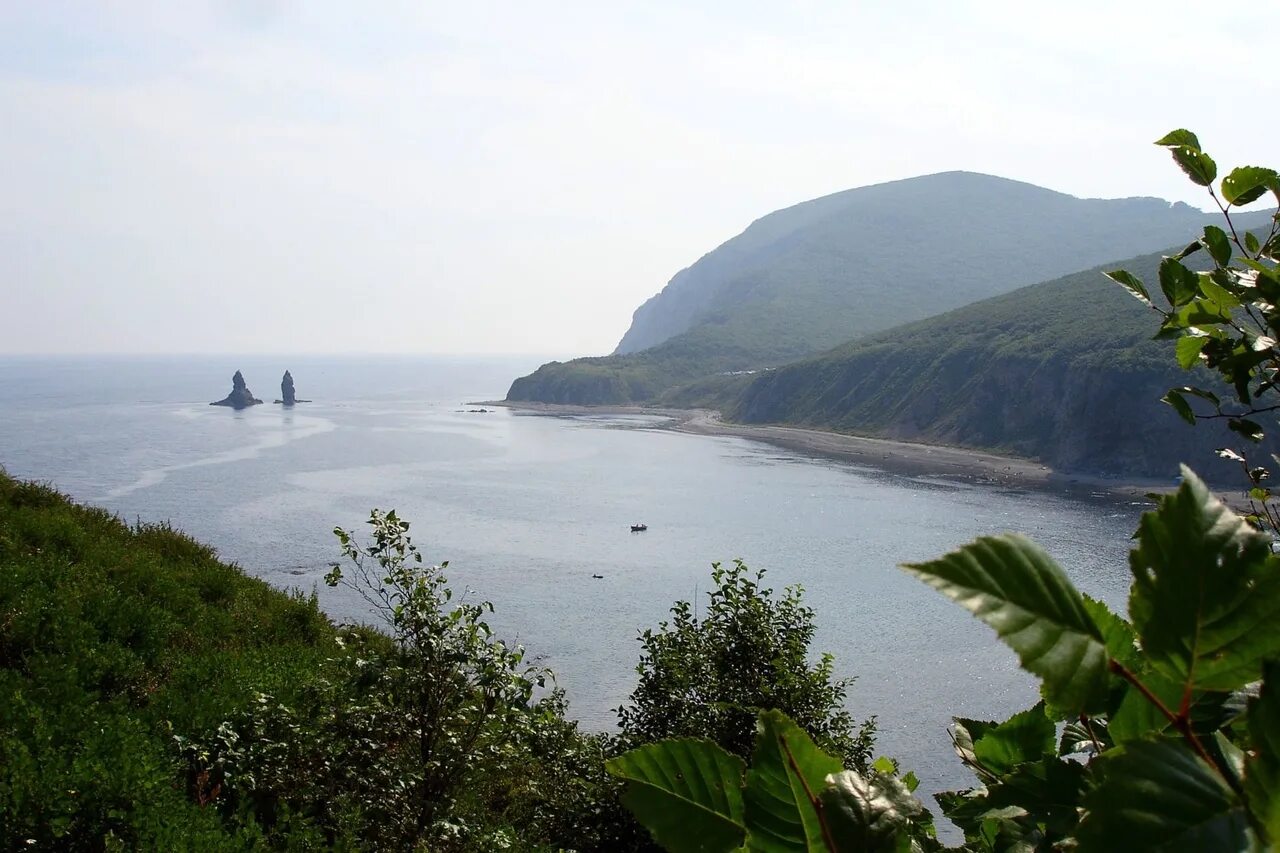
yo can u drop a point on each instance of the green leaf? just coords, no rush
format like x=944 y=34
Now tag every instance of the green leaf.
x=1136 y=717
x=1247 y=183
x=1197 y=165
x=1050 y=789
x=1018 y=590
x=1251 y=243
x=1251 y=430
x=1178 y=283
x=786 y=770
x=1131 y=283
x=1117 y=635
x=997 y=748
x=1222 y=298
x=1188 y=350
x=1180 y=405
x=1158 y=795
x=1078 y=738
x=1206 y=594
x=1262 y=769
x=1191 y=249
x=868 y=814
x=1181 y=137
x=687 y=792
x=1218 y=244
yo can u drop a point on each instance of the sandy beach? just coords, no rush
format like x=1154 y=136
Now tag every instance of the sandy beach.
x=898 y=457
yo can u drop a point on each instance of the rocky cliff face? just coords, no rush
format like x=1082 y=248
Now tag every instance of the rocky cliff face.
x=1064 y=372
x=240 y=397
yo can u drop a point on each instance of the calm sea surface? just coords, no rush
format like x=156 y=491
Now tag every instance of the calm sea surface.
x=528 y=507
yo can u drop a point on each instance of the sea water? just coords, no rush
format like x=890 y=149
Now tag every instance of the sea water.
x=528 y=508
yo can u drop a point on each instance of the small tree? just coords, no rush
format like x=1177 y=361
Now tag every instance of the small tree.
x=454 y=689
x=711 y=676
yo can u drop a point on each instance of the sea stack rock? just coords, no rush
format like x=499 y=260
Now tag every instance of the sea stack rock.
x=240 y=397
x=286 y=391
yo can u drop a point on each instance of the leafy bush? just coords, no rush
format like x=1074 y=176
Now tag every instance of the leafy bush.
x=710 y=676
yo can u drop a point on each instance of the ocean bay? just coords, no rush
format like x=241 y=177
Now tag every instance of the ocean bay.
x=528 y=507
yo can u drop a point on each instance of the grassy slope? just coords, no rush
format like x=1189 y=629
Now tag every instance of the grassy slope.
x=1064 y=371
x=113 y=639
x=810 y=277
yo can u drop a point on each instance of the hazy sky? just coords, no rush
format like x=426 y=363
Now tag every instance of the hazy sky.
x=476 y=177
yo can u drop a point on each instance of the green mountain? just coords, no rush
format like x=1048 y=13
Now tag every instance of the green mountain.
x=802 y=280
x=1064 y=372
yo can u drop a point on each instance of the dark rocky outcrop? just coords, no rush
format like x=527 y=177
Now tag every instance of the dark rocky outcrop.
x=240 y=397
x=287 y=392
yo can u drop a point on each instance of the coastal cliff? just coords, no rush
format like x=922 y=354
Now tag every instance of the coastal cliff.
x=1063 y=372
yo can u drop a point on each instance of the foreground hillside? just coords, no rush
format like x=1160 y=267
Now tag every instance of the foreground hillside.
x=154 y=698
x=802 y=280
x=1064 y=372
x=114 y=639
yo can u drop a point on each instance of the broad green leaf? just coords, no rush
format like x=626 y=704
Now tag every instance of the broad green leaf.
x=1218 y=244
x=1158 y=795
x=868 y=814
x=1188 y=350
x=1206 y=594
x=1180 y=405
x=1251 y=243
x=1181 y=136
x=787 y=768
x=1262 y=769
x=1080 y=738
x=1247 y=183
x=1222 y=298
x=1131 y=283
x=1136 y=717
x=1251 y=430
x=1050 y=789
x=1178 y=283
x=1117 y=634
x=687 y=792
x=1191 y=249
x=1018 y=590
x=997 y=748
x=1197 y=165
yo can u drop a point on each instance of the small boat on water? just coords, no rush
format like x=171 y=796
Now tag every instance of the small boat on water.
x=598 y=577
x=639 y=528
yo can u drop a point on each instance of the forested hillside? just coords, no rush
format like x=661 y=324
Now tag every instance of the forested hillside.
x=1065 y=372
x=813 y=276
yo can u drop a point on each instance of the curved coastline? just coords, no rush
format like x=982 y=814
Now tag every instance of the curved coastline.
x=906 y=458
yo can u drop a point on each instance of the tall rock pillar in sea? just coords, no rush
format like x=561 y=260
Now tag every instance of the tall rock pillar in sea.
x=240 y=397
x=289 y=397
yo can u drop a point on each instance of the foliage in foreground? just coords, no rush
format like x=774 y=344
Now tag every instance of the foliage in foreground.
x=152 y=697
x=1225 y=318
x=112 y=637
x=1171 y=718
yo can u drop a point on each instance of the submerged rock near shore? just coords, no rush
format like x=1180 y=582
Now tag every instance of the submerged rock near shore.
x=287 y=392
x=240 y=397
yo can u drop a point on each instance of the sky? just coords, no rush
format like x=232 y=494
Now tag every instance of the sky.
x=424 y=177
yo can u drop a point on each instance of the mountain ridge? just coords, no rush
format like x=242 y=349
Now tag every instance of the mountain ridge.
x=814 y=275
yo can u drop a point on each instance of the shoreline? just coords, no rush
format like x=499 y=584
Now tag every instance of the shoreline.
x=912 y=459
